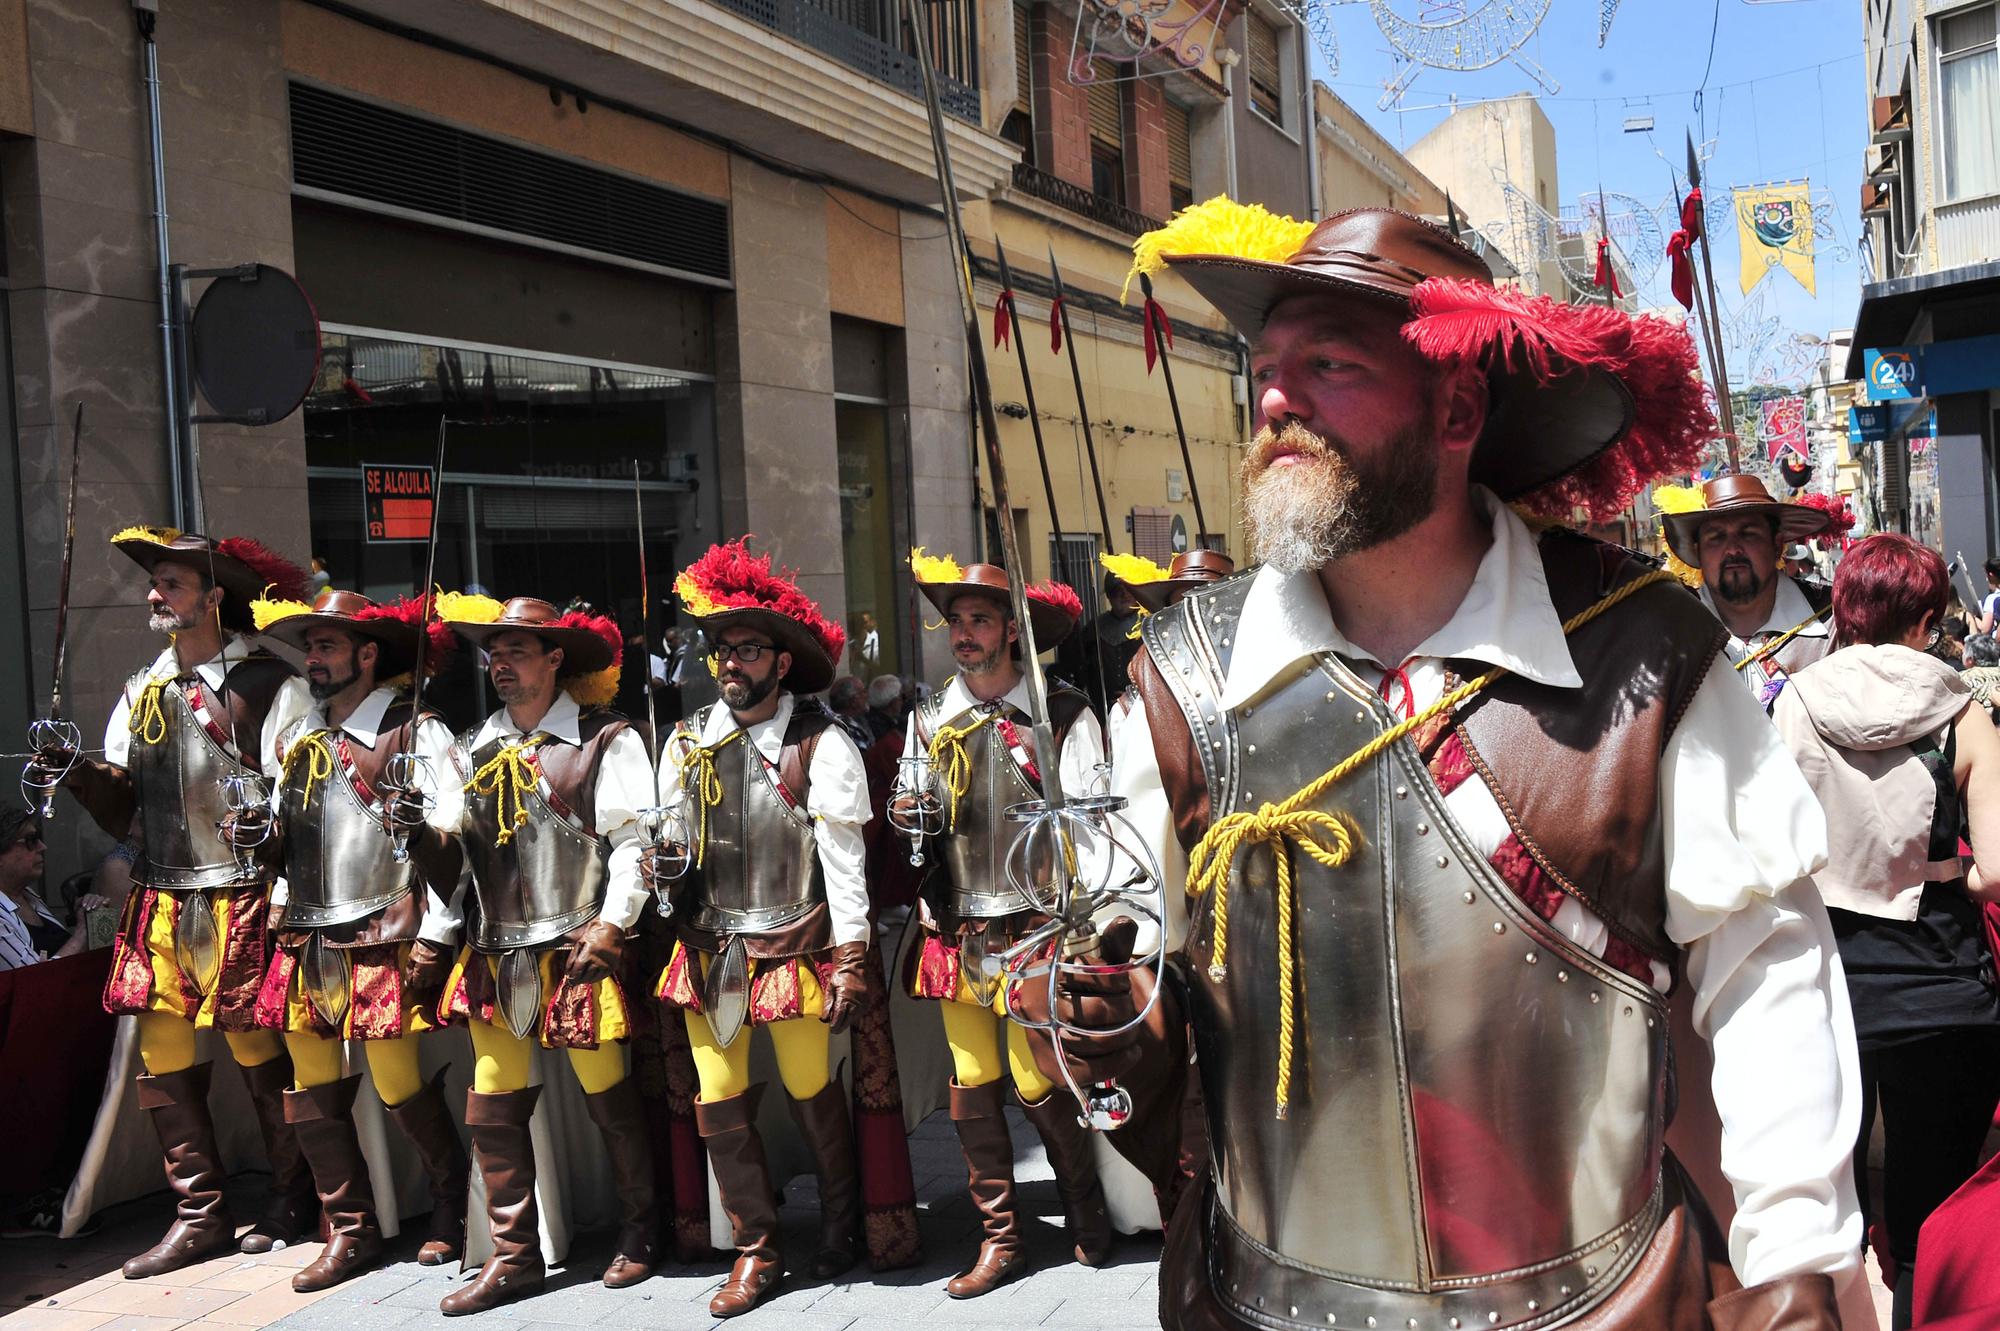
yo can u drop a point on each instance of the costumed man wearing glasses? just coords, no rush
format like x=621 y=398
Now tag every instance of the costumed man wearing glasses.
x=974 y=732
x=1457 y=803
x=772 y=916
x=366 y=939
x=1732 y=532
x=191 y=949
x=551 y=835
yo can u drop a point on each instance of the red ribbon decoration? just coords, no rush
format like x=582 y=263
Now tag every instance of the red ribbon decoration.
x=1003 y=308
x=1691 y=215
x=1682 y=269
x=1164 y=339
x=1607 y=276
x=1055 y=324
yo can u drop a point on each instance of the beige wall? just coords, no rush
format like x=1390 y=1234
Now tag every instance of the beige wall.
x=1358 y=168
x=867 y=280
x=17 y=101
x=1473 y=150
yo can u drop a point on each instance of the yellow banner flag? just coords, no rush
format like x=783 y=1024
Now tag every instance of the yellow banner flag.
x=1774 y=229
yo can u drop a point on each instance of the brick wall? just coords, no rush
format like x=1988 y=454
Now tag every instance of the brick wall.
x=1062 y=117
x=1146 y=186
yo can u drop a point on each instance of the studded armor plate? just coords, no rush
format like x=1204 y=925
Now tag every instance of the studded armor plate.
x=340 y=861
x=974 y=847
x=179 y=782
x=760 y=868
x=1474 y=1133
x=547 y=879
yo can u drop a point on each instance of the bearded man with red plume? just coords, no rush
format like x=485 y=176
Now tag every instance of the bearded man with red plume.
x=191 y=948
x=550 y=829
x=1458 y=800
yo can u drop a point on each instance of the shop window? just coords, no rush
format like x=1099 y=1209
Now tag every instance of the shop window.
x=1969 y=102
x=536 y=498
x=1107 y=135
x=1180 y=158
x=869 y=501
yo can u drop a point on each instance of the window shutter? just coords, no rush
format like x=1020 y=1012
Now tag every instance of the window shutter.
x=1153 y=533
x=1024 y=63
x=1107 y=123
x=1266 y=78
x=1180 y=161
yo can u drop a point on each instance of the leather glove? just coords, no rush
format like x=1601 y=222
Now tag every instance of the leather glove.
x=1099 y=1001
x=847 y=990
x=425 y=972
x=53 y=764
x=405 y=809
x=246 y=829
x=596 y=953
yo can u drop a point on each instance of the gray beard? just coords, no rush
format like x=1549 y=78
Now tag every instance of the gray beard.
x=742 y=695
x=167 y=622
x=1321 y=509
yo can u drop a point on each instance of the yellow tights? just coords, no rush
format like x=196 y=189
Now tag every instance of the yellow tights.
x=166 y=1044
x=502 y=1063
x=800 y=1045
x=393 y=1064
x=973 y=1033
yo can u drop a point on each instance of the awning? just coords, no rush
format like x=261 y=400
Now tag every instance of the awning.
x=1889 y=309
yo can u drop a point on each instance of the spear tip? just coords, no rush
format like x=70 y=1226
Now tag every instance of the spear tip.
x=1694 y=162
x=1006 y=277
x=1055 y=273
x=1146 y=284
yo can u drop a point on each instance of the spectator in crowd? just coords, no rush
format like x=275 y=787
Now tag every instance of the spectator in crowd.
x=847 y=698
x=1898 y=755
x=888 y=707
x=864 y=644
x=319 y=579
x=1982 y=669
x=1797 y=560
x=31 y=930
x=1114 y=643
x=1989 y=604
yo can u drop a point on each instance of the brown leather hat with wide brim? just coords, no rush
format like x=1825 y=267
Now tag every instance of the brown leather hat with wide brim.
x=1051 y=623
x=1536 y=432
x=812 y=669
x=584 y=652
x=152 y=546
x=1733 y=496
x=398 y=638
x=1190 y=569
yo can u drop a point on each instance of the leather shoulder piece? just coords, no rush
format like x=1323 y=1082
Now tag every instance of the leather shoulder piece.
x=1791 y=1303
x=1173 y=750
x=248 y=690
x=802 y=737
x=1065 y=706
x=600 y=722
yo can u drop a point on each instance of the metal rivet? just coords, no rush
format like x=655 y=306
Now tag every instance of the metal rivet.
x=1499 y=927
x=1533 y=1306
x=1453 y=1324
x=1443 y=861
x=1563 y=976
x=1371 y=1321
x=1225 y=642
x=1253 y=748
x=1467 y=897
x=1246 y=711
x=1564 y=1291
x=1412 y=1324
x=1649 y=1023
x=1492 y=1317
x=1332 y=1319
x=1260 y=1300
x=1590 y=1271
x=1423 y=829
x=1531 y=958
x=1595 y=996
x=1295 y=1310
x=1614 y=1247
x=1329 y=698
x=1235 y=1285
x=1628 y=1009
x=1402 y=792
x=1361 y=716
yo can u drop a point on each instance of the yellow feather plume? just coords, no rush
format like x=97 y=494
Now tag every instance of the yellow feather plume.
x=1132 y=570
x=157 y=535
x=1679 y=498
x=467 y=608
x=1219 y=226
x=935 y=568
x=267 y=612
x=597 y=689
x=697 y=602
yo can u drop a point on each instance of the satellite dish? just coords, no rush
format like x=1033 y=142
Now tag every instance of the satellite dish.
x=255 y=345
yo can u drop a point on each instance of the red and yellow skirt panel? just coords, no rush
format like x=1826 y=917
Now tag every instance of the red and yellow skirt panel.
x=781 y=988
x=574 y=1016
x=146 y=974
x=937 y=968
x=377 y=1008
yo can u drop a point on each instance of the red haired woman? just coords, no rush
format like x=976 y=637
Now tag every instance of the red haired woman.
x=1902 y=759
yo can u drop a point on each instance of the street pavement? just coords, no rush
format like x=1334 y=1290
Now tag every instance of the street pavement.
x=76 y=1286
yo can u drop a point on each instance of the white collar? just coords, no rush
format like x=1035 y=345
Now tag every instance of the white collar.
x=213 y=671
x=768 y=736
x=1506 y=619
x=563 y=722
x=1788 y=609
x=958 y=699
x=363 y=724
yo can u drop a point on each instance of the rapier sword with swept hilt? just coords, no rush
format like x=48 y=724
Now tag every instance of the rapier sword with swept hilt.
x=407 y=768
x=51 y=733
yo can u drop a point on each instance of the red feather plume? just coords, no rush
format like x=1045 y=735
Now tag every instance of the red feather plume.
x=1653 y=358
x=410 y=610
x=1057 y=595
x=733 y=577
x=1837 y=509
x=286 y=580
x=602 y=625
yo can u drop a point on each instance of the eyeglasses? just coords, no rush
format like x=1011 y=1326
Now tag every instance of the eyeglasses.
x=747 y=652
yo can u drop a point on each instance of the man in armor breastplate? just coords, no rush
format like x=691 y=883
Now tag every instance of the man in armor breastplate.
x=366 y=939
x=551 y=836
x=1735 y=539
x=975 y=734
x=773 y=915
x=191 y=949
x=1455 y=804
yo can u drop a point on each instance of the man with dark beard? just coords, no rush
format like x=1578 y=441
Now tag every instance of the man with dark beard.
x=1735 y=539
x=366 y=939
x=1457 y=802
x=191 y=948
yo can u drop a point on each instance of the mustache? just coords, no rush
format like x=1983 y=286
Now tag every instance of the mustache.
x=1267 y=444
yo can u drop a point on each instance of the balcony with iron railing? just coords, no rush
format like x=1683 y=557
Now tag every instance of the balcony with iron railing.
x=867 y=36
x=1071 y=197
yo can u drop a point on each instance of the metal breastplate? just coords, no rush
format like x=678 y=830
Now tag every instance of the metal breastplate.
x=975 y=846
x=340 y=862
x=545 y=880
x=179 y=784
x=760 y=867
x=1477 y=1106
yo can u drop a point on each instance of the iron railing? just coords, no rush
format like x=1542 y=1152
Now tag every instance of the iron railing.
x=1075 y=198
x=867 y=36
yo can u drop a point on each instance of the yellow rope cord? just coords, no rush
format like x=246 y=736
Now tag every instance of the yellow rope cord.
x=1794 y=631
x=313 y=746
x=507 y=777
x=707 y=788
x=953 y=764
x=149 y=722
x=1328 y=838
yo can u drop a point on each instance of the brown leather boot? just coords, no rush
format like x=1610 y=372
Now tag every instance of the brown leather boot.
x=824 y=1123
x=620 y=1117
x=506 y=1154
x=323 y=1119
x=291 y=1212
x=989 y=1166
x=1068 y=1142
x=177 y=1102
x=426 y=1121
x=736 y=1153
